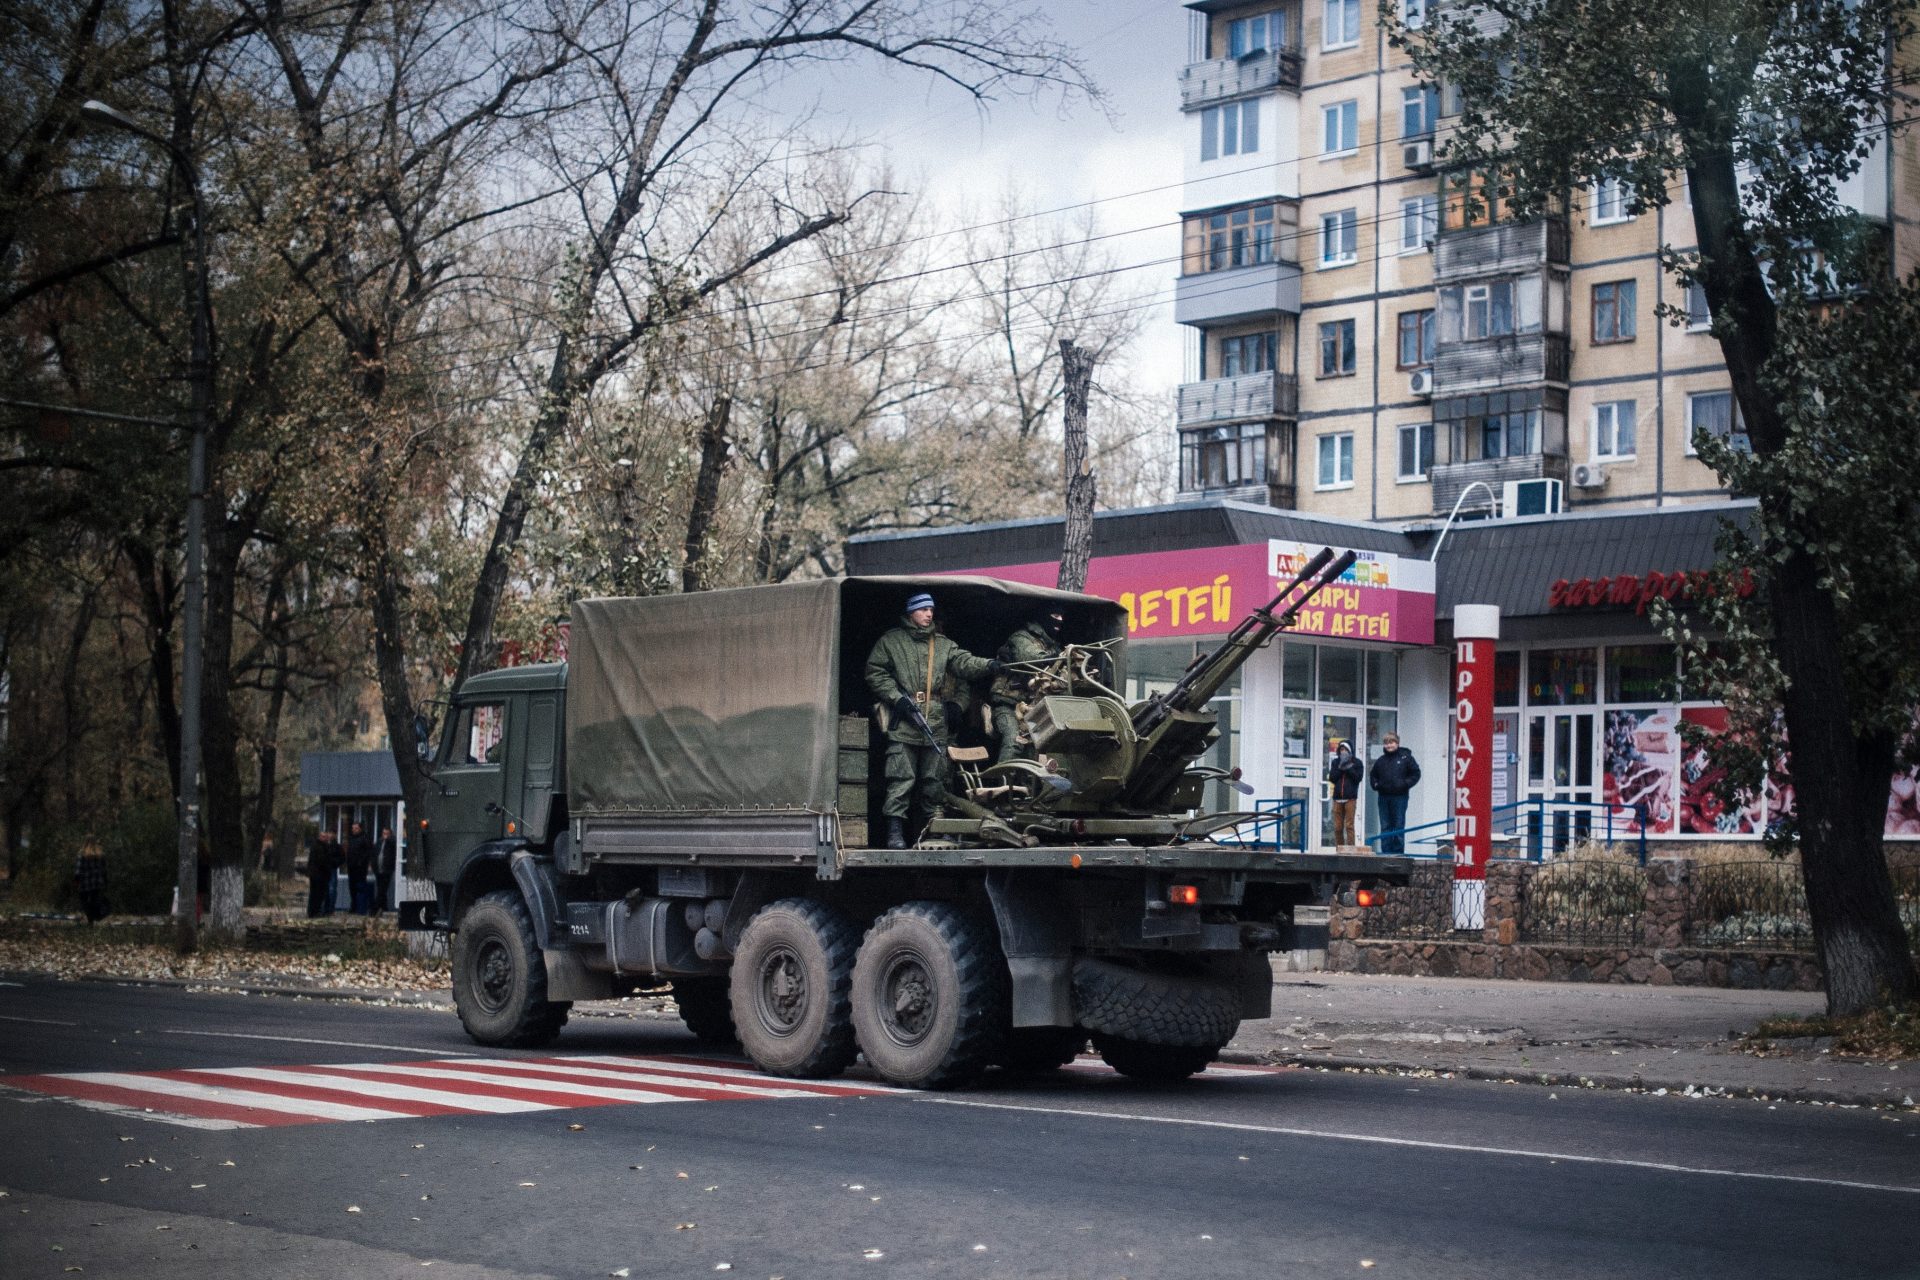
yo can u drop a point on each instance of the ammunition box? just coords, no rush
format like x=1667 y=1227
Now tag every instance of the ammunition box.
x=853 y=731
x=853 y=765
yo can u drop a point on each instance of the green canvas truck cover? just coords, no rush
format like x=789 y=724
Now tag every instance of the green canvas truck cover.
x=726 y=701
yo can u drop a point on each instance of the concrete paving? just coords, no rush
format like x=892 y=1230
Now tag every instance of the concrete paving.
x=1595 y=1034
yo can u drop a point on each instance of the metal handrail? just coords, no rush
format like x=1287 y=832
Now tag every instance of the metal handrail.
x=1538 y=808
x=1282 y=809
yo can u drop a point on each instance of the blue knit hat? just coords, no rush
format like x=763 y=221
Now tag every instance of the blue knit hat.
x=921 y=601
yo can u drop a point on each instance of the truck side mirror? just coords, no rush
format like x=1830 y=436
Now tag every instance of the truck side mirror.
x=422 y=736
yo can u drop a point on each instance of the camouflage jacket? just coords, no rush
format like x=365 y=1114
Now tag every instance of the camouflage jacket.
x=1030 y=643
x=898 y=665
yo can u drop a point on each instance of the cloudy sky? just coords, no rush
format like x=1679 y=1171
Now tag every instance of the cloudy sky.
x=1127 y=159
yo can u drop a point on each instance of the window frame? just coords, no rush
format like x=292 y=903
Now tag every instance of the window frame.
x=1426 y=326
x=1213 y=130
x=1623 y=306
x=1340 y=129
x=1413 y=14
x=1344 y=336
x=1344 y=225
x=1705 y=324
x=1266 y=22
x=1613 y=452
x=1422 y=453
x=1426 y=217
x=1342 y=454
x=1346 y=7
x=1736 y=428
x=1264 y=346
x=1427 y=98
x=1609 y=190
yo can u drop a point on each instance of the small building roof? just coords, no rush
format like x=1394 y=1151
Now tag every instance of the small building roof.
x=363 y=775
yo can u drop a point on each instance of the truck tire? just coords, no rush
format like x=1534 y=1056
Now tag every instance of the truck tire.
x=929 y=996
x=1156 y=1063
x=1036 y=1050
x=705 y=1006
x=1154 y=1008
x=792 y=975
x=499 y=979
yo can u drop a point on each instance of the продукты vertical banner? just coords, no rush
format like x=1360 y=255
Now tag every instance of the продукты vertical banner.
x=1475 y=628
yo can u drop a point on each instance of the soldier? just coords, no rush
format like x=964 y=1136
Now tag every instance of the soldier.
x=911 y=670
x=1038 y=641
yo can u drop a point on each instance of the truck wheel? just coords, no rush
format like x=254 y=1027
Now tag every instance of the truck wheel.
x=1154 y=1008
x=791 y=977
x=499 y=979
x=704 y=1006
x=1035 y=1050
x=1158 y=1063
x=929 y=996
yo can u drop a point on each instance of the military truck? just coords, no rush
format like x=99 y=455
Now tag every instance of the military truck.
x=690 y=803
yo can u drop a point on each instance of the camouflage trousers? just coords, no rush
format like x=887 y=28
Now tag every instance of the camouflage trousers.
x=1006 y=727
x=916 y=780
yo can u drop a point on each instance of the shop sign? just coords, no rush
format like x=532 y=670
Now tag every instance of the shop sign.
x=1472 y=757
x=1638 y=591
x=1206 y=590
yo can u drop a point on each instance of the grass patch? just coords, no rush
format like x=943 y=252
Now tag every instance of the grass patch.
x=1879 y=1033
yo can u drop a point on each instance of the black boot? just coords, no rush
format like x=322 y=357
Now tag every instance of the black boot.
x=896 y=833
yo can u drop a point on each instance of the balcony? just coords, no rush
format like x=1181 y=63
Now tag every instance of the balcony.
x=1489 y=364
x=1241 y=293
x=1451 y=478
x=1204 y=83
x=1506 y=248
x=1252 y=397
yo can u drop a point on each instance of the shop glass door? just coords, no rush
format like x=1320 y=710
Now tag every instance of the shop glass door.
x=1561 y=771
x=1336 y=725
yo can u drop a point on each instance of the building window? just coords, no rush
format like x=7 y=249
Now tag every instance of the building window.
x=1231 y=130
x=1340 y=128
x=1611 y=203
x=1336 y=349
x=1342 y=28
x=1699 y=315
x=1419 y=108
x=1714 y=413
x=1413 y=14
x=1416 y=339
x=1613 y=429
x=1240 y=238
x=1259 y=34
x=1416 y=451
x=1501 y=425
x=1613 y=312
x=1473 y=199
x=1247 y=353
x=1339 y=238
x=1336 y=461
x=1419 y=222
x=1229 y=457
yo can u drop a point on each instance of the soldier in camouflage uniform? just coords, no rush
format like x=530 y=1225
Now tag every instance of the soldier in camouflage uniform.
x=898 y=672
x=1038 y=641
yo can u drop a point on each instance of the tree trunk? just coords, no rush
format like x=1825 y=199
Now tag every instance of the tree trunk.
x=714 y=448
x=1077 y=550
x=390 y=666
x=224 y=841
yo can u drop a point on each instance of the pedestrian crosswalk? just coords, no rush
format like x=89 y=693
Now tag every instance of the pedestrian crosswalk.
x=260 y=1097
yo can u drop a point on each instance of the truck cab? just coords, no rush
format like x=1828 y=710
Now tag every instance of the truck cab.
x=499 y=773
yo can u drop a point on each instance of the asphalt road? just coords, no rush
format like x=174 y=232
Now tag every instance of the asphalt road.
x=1242 y=1173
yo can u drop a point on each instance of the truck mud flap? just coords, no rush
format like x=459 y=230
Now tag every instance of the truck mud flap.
x=543 y=900
x=1036 y=934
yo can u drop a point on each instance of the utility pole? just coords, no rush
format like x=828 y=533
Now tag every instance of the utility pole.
x=1077 y=366
x=200 y=391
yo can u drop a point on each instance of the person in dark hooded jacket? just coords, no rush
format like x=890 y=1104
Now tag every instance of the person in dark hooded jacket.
x=1344 y=773
x=1394 y=774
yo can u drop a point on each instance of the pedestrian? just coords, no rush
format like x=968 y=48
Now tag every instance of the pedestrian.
x=1394 y=774
x=1036 y=642
x=323 y=858
x=90 y=880
x=913 y=669
x=1344 y=773
x=383 y=870
x=359 y=860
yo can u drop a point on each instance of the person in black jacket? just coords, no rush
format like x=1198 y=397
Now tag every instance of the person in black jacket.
x=1394 y=774
x=323 y=859
x=383 y=870
x=1344 y=773
x=360 y=869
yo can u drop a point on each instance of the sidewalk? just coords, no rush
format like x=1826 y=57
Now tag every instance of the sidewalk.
x=1564 y=1033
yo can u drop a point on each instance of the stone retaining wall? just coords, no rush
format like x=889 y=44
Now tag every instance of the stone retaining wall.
x=1654 y=950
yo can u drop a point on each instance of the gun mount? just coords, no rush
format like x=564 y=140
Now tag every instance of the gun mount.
x=1109 y=771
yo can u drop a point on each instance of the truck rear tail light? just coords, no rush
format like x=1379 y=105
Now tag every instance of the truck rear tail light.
x=1370 y=897
x=1184 y=895
x=513 y=828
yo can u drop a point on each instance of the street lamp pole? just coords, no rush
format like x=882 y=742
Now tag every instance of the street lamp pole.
x=200 y=392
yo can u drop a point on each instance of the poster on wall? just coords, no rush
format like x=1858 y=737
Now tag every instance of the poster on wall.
x=1701 y=812
x=1642 y=755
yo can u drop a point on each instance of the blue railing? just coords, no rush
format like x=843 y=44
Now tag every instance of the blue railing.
x=1282 y=825
x=1531 y=829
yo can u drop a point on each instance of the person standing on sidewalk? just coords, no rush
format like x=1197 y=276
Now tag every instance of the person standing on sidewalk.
x=323 y=859
x=383 y=871
x=90 y=880
x=1394 y=774
x=359 y=870
x=1344 y=773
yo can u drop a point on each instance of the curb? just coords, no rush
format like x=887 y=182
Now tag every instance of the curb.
x=1568 y=1079
x=368 y=995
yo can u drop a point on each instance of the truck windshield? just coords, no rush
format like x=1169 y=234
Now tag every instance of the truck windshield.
x=479 y=734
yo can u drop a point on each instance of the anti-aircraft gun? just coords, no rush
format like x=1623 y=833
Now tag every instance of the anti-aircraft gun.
x=1110 y=771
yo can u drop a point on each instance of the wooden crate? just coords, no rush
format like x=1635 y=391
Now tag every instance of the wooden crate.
x=853 y=731
x=854 y=765
x=853 y=832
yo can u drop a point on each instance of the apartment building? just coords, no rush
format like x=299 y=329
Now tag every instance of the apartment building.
x=1367 y=338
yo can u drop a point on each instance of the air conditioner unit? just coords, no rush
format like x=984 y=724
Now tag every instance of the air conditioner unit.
x=1418 y=154
x=1532 y=498
x=1589 y=475
x=1420 y=383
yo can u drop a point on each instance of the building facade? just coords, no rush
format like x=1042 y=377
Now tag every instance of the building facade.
x=1367 y=336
